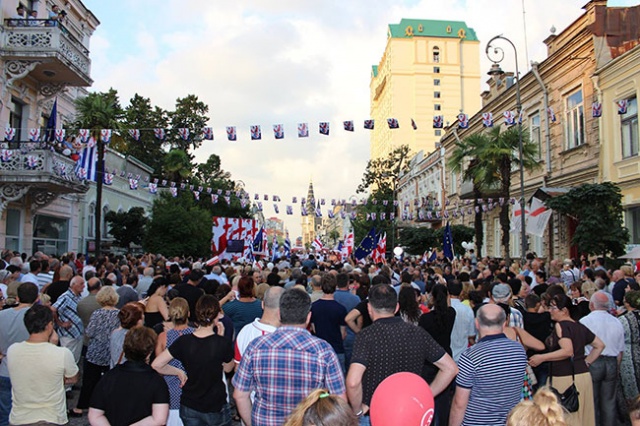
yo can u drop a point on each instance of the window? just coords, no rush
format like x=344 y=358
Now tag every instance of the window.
x=13 y=230
x=436 y=70
x=436 y=54
x=436 y=82
x=437 y=107
x=50 y=234
x=633 y=224
x=629 y=129
x=105 y=225
x=91 y=222
x=438 y=132
x=436 y=95
x=574 y=120
x=454 y=183
x=15 y=117
x=535 y=133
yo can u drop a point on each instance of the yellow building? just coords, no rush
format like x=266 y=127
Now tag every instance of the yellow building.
x=619 y=82
x=310 y=223
x=428 y=68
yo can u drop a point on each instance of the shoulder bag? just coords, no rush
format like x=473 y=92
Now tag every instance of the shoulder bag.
x=569 y=398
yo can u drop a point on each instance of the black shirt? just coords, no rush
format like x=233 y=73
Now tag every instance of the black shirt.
x=202 y=359
x=191 y=294
x=441 y=333
x=127 y=393
x=391 y=346
x=538 y=325
x=56 y=289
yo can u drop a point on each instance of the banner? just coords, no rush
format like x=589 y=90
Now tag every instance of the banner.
x=226 y=229
x=538 y=217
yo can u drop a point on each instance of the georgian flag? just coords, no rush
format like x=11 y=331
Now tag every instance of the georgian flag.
x=622 y=106
x=348 y=126
x=34 y=135
x=256 y=133
x=174 y=191
x=324 y=128
x=9 y=134
x=278 y=131
x=552 y=115
x=105 y=135
x=60 y=134
x=84 y=135
x=153 y=188
x=438 y=122
x=393 y=123
x=317 y=244
x=207 y=133
x=303 y=130
x=509 y=118
x=463 y=121
x=369 y=124
x=108 y=178
x=160 y=134
x=596 y=109
x=184 y=133
x=487 y=119
x=133 y=184
x=289 y=209
x=135 y=134
x=414 y=125
x=231 y=133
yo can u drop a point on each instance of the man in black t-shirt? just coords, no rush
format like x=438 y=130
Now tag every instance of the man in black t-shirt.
x=390 y=346
x=191 y=292
x=327 y=318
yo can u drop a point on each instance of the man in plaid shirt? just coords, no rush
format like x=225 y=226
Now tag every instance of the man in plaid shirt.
x=285 y=366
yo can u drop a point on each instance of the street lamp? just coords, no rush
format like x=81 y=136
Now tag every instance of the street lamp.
x=496 y=55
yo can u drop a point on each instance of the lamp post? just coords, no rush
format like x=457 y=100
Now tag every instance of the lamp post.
x=496 y=55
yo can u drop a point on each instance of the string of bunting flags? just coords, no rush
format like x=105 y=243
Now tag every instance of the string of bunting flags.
x=303 y=129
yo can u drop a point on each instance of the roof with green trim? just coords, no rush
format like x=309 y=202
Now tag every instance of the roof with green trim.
x=408 y=28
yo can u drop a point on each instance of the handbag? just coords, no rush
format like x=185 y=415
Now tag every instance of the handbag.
x=569 y=398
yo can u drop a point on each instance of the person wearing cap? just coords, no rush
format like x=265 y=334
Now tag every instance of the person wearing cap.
x=501 y=293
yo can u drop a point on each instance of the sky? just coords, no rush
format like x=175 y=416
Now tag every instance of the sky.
x=285 y=62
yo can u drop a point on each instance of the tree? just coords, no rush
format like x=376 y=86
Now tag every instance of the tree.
x=496 y=152
x=190 y=113
x=127 y=227
x=178 y=227
x=98 y=111
x=598 y=210
x=416 y=240
x=177 y=165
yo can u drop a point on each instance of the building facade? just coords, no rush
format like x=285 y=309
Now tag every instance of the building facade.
x=310 y=223
x=428 y=68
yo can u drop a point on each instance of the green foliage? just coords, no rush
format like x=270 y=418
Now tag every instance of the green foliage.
x=598 y=210
x=99 y=110
x=127 y=227
x=416 y=240
x=177 y=165
x=381 y=173
x=179 y=227
x=362 y=226
x=190 y=113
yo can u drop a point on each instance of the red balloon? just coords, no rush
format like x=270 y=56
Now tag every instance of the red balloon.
x=402 y=399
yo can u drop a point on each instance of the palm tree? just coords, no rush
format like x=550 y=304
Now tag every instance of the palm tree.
x=178 y=165
x=98 y=111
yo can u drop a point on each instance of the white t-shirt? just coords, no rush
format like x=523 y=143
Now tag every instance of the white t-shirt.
x=247 y=334
x=38 y=387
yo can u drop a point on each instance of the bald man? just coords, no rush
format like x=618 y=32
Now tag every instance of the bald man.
x=55 y=289
x=604 y=370
x=489 y=382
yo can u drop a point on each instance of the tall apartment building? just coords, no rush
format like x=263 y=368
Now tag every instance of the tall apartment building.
x=428 y=68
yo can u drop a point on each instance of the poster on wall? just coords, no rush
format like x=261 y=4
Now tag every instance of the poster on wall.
x=227 y=231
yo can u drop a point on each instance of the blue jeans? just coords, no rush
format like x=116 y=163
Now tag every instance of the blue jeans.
x=604 y=373
x=5 y=400
x=364 y=421
x=192 y=417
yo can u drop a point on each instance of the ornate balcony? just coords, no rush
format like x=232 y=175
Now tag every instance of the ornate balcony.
x=45 y=51
x=40 y=174
x=466 y=190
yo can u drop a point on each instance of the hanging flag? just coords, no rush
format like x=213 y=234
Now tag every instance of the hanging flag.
x=84 y=135
x=289 y=210
x=207 y=133
x=294 y=200
x=367 y=245
x=133 y=184
x=438 y=121
x=153 y=188
x=32 y=161
x=135 y=134
x=487 y=119
x=303 y=211
x=596 y=109
x=287 y=246
x=275 y=208
x=231 y=133
x=516 y=214
x=509 y=118
x=324 y=128
x=414 y=125
x=196 y=195
x=174 y=191
x=105 y=135
x=317 y=245
x=330 y=214
x=108 y=178
x=622 y=106
x=303 y=130
x=447 y=242
x=9 y=134
x=552 y=115
x=184 y=133
x=256 y=133
x=463 y=121
x=59 y=135
x=214 y=198
x=318 y=212
x=369 y=124
x=278 y=131
x=348 y=126
x=6 y=155
x=393 y=123
x=87 y=163
x=537 y=218
x=160 y=134
x=34 y=135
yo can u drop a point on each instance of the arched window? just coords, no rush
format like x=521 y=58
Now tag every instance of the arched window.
x=91 y=221
x=436 y=54
x=105 y=226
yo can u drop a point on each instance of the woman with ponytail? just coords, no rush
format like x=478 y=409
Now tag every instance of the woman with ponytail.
x=322 y=409
x=543 y=410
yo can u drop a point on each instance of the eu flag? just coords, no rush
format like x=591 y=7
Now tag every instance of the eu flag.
x=447 y=242
x=367 y=245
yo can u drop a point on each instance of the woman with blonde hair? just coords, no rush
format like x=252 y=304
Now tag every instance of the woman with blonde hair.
x=543 y=410
x=322 y=409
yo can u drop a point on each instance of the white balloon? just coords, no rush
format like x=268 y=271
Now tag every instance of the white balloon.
x=398 y=251
x=66 y=152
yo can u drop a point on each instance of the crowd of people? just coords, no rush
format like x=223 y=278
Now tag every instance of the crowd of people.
x=308 y=340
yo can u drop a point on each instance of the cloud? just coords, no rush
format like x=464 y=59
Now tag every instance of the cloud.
x=256 y=62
